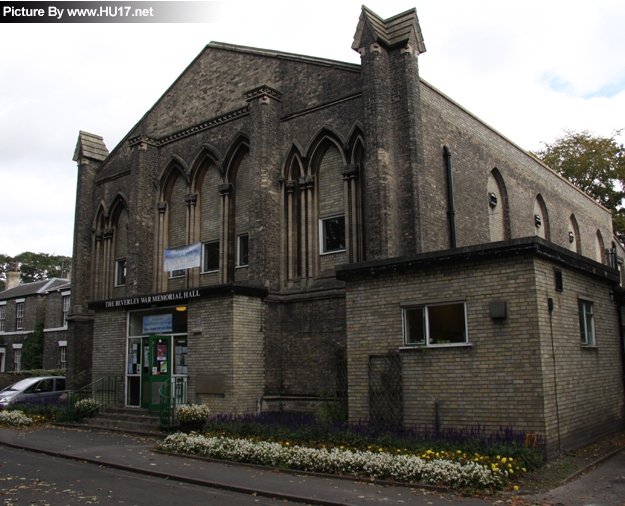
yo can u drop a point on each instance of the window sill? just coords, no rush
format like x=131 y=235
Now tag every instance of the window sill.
x=435 y=346
x=589 y=347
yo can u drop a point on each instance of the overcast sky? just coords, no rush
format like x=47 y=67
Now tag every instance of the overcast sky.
x=529 y=69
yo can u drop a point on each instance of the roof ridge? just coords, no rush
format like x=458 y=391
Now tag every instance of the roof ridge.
x=390 y=32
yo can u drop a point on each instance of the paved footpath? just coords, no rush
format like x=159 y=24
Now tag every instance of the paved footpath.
x=134 y=453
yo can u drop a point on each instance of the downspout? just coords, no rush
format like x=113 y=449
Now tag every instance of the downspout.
x=450 y=196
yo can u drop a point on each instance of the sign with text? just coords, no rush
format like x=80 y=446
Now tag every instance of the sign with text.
x=157 y=323
x=183 y=257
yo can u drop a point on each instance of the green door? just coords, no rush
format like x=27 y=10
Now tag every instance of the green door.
x=156 y=369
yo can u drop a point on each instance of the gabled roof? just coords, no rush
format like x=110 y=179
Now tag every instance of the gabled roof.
x=390 y=32
x=90 y=146
x=35 y=288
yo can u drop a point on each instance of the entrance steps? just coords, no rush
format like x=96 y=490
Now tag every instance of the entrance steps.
x=125 y=419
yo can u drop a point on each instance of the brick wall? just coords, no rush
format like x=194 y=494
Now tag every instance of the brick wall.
x=109 y=349
x=478 y=149
x=506 y=376
x=303 y=339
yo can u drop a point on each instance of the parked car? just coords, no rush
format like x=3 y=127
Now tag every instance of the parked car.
x=39 y=390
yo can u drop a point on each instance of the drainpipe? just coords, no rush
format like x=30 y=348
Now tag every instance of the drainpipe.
x=450 y=196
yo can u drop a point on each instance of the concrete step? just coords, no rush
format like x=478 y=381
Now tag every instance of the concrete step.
x=121 y=425
x=122 y=418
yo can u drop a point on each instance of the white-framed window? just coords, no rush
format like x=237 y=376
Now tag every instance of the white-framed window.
x=120 y=272
x=243 y=250
x=63 y=362
x=586 y=322
x=435 y=324
x=3 y=315
x=332 y=234
x=65 y=310
x=19 y=316
x=17 y=357
x=210 y=256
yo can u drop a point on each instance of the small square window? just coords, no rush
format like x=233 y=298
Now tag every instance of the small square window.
x=210 y=262
x=120 y=272
x=586 y=322
x=332 y=234
x=243 y=251
x=431 y=325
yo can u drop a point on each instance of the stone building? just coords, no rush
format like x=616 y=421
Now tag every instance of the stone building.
x=22 y=307
x=278 y=168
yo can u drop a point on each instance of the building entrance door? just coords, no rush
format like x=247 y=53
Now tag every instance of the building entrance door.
x=156 y=369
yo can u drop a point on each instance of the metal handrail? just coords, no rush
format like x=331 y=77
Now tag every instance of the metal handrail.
x=173 y=393
x=103 y=391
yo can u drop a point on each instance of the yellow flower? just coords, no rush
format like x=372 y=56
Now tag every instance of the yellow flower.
x=511 y=471
x=504 y=460
x=524 y=470
x=516 y=487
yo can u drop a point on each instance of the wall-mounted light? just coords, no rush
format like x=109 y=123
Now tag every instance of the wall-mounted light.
x=492 y=200
x=571 y=237
x=538 y=221
x=181 y=308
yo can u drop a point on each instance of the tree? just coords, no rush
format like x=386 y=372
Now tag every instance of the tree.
x=4 y=267
x=596 y=165
x=35 y=266
x=32 y=352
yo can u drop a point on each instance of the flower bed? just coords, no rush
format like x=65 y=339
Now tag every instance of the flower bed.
x=456 y=474
x=13 y=418
x=192 y=413
x=86 y=405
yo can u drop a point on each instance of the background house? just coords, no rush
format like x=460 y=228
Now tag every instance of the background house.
x=22 y=306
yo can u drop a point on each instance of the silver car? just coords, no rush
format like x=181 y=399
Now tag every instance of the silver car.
x=39 y=390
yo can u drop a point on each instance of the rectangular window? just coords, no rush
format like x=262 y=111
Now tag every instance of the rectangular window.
x=2 y=317
x=63 y=364
x=19 y=316
x=434 y=325
x=177 y=274
x=17 y=359
x=243 y=251
x=559 y=285
x=210 y=262
x=586 y=323
x=65 y=310
x=332 y=234
x=180 y=355
x=120 y=272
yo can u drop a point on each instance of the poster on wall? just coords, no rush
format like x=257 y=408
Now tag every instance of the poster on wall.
x=161 y=352
x=157 y=323
x=183 y=257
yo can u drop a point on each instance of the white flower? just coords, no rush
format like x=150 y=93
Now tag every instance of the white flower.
x=14 y=418
x=87 y=404
x=192 y=412
x=406 y=468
